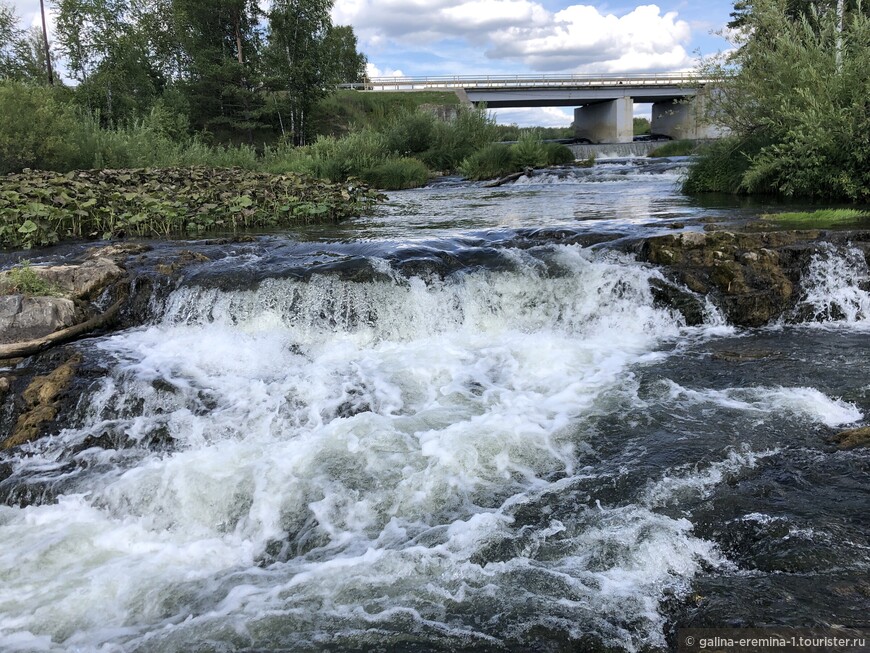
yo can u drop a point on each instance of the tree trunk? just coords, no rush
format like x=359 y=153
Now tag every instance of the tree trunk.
x=48 y=69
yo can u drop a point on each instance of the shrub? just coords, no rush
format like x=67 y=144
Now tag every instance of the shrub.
x=674 y=148
x=397 y=174
x=557 y=154
x=24 y=280
x=411 y=132
x=494 y=160
x=38 y=130
x=529 y=151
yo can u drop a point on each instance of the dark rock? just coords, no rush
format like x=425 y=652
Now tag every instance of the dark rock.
x=751 y=276
x=42 y=402
x=690 y=306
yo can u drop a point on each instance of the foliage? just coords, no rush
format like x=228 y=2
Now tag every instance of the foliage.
x=818 y=218
x=39 y=130
x=22 y=53
x=494 y=160
x=798 y=105
x=641 y=126
x=23 y=280
x=529 y=152
x=344 y=110
x=397 y=174
x=674 y=148
x=499 y=159
x=513 y=132
x=721 y=165
x=557 y=154
x=42 y=208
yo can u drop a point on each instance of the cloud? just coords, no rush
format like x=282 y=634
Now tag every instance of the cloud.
x=534 y=117
x=373 y=71
x=512 y=33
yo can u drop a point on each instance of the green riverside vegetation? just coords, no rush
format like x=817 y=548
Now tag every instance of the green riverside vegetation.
x=674 y=148
x=23 y=280
x=42 y=208
x=818 y=218
x=794 y=95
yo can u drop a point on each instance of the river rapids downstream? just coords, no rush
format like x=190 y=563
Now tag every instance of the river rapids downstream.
x=462 y=424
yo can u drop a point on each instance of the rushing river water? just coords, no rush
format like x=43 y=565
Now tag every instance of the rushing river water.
x=459 y=425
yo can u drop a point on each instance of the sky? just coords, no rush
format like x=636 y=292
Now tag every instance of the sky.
x=492 y=37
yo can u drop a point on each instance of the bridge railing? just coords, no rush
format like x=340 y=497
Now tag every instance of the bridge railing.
x=518 y=81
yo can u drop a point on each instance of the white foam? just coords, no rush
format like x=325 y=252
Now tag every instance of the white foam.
x=835 y=287
x=808 y=403
x=379 y=432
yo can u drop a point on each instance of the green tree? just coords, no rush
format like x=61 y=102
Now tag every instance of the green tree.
x=796 y=96
x=306 y=58
x=219 y=61
x=22 y=51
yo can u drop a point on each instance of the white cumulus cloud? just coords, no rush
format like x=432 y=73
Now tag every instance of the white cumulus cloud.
x=578 y=38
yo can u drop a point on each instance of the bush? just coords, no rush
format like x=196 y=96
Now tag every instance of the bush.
x=674 y=148
x=721 y=166
x=411 y=132
x=453 y=141
x=24 y=280
x=397 y=174
x=529 y=151
x=557 y=154
x=38 y=130
x=797 y=107
x=494 y=160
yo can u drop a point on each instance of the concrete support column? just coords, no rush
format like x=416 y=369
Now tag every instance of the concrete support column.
x=606 y=122
x=682 y=119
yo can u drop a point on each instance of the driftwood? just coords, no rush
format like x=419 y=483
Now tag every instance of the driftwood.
x=528 y=172
x=30 y=347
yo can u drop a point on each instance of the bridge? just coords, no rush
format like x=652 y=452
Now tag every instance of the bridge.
x=604 y=103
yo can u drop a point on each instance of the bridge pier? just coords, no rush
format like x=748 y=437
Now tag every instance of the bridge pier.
x=682 y=119
x=605 y=122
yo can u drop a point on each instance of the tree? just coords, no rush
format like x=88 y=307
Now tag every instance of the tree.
x=801 y=122
x=220 y=45
x=307 y=57
x=22 y=51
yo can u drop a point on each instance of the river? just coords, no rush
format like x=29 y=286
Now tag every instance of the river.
x=461 y=424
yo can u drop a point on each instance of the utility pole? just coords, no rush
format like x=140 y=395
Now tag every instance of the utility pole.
x=45 y=43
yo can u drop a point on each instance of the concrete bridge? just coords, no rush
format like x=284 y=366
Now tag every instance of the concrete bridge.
x=604 y=103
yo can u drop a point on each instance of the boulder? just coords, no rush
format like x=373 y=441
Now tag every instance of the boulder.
x=751 y=275
x=85 y=280
x=29 y=318
x=42 y=400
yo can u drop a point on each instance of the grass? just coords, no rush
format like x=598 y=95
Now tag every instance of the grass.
x=821 y=217
x=674 y=148
x=23 y=280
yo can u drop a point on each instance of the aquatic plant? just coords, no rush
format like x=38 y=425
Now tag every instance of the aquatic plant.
x=42 y=208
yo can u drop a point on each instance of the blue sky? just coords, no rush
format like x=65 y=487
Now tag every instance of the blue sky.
x=478 y=37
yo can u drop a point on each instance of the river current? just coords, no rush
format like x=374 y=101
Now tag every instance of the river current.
x=461 y=424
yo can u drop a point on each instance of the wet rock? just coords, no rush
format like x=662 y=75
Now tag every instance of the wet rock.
x=852 y=438
x=690 y=306
x=28 y=318
x=752 y=276
x=184 y=258
x=42 y=402
x=118 y=251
